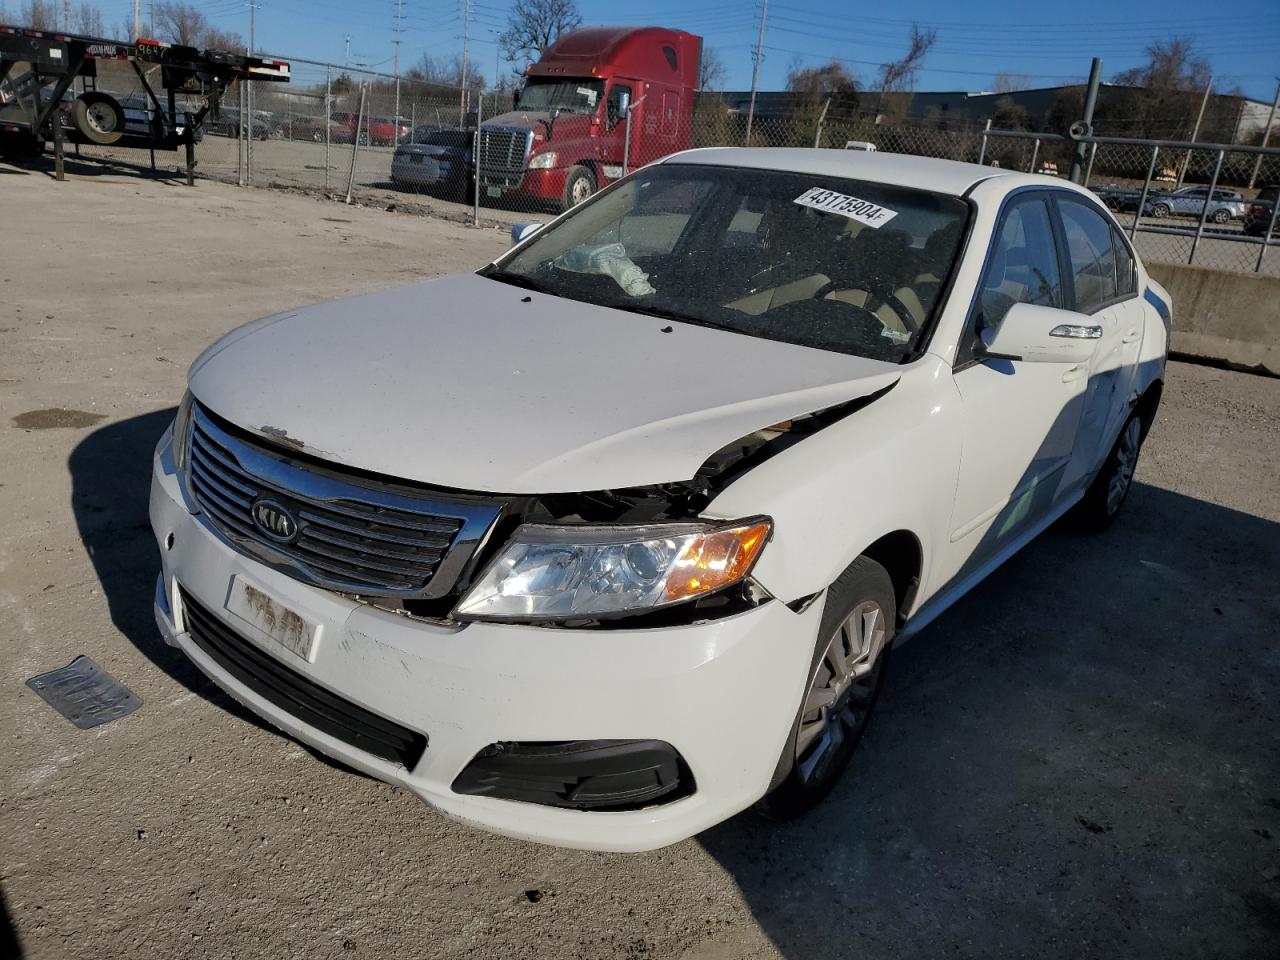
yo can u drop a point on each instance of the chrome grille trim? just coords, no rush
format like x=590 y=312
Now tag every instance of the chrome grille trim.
x=504 y=152
x=355 y=535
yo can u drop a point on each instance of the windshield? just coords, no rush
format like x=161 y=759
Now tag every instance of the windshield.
x=842 y=265
x=559 y=93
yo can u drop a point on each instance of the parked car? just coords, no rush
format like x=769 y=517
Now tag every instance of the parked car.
x=380 y=131
x=142 y=119
x=228 y=123
x=609 y=540
x=311 y=128
x=1122 y=199
x=1257 y=216
x=434 y=159
x=1190 y=202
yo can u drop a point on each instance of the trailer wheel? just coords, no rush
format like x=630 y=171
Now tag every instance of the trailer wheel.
x=578 y=186
x=99 y=117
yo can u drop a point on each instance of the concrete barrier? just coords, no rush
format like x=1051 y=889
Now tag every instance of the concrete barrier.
x=1224 y=317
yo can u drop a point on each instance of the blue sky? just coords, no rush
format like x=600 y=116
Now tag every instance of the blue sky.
x=1048 y=42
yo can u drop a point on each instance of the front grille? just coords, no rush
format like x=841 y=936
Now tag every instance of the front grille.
x=353 y=534
x=503 y=151
x=297 y=695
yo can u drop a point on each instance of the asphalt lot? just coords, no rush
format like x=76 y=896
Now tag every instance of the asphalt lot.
x=1081 y=759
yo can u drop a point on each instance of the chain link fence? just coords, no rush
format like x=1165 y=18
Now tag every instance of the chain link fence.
x=372 y=138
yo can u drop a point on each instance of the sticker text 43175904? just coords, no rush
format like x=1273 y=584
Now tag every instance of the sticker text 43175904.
x=864 y=211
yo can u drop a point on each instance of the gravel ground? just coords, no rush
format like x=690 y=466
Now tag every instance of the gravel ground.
x=1081 y=759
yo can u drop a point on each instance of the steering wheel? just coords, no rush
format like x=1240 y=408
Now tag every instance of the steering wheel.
x=888 y=298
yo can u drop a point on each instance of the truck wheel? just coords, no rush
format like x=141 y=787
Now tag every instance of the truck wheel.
x=578 y=186
x=98 y=117
x=845 y=677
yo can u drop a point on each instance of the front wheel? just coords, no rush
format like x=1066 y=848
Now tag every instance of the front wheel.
x=1221 y=216
x=1101 y=503
x=844 y=683
x=1160 y=211
x=578 y=186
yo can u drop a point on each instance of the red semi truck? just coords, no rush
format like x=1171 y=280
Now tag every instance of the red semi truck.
x=566 y=136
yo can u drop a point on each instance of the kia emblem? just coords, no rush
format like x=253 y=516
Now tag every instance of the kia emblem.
x=275 y=521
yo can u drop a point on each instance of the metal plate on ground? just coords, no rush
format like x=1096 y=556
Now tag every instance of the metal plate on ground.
x=85 y=694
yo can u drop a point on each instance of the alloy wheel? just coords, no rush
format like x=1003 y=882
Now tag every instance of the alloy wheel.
x=842 y=688
x=1126 y=461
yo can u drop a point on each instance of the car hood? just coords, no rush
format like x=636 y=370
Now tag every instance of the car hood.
x=473 y=384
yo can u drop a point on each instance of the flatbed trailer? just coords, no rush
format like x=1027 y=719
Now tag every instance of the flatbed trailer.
x=33 y=101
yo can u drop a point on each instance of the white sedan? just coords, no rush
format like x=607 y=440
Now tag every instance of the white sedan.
x=608 y=541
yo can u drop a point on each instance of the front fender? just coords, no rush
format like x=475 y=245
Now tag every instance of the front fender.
x=889 y=466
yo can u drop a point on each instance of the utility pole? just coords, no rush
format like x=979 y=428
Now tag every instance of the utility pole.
x=462 y=76
x=1266 y=135
x=137 y=19
x=1195 y=132
x=399 y=16
x=1090 y=101
x=248 y=86
x=347 y=59
x=66 y=16
x=755 y=71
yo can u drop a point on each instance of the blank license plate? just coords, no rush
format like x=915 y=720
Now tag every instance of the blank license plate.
x=289 y=629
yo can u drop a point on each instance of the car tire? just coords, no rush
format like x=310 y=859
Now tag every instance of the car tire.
x=578 y=186
x=317 y=136
x=1160 y=211
x=847 y=671
x=1101 y=503
x=99 y=118
x=1220 y=216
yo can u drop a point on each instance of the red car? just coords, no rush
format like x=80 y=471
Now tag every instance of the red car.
x=382 y=131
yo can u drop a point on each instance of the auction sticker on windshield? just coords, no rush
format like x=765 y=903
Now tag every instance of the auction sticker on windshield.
x=864 y=211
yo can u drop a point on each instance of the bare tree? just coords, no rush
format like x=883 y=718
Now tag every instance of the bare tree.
x=186 y=24
x=87 y=19
x=900 y=75
x=446 y=73
x=534 y=25
x=712 y=72
x=39 y=14
x=831 y=79
x=1011 y=82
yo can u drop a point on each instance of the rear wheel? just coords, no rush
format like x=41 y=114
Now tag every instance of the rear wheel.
x=845 y=677
x=1160 y=211
x=99 y=117
x=1221 y=216
x=317 y=136
x=1101 y=503
x=578 y=186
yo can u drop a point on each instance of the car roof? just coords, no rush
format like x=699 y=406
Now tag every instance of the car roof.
x=894 y=169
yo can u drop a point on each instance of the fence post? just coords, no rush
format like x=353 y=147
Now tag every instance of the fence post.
x=328 y=105
x=1266 y=237
x=1088 y=171
x=817 y=133
x=1090 y=100
x=626 y=143
x=1204 y=212
x=413 y=121
x=475 y=162
x=240 y=137
x=982 y=150
x=355 y=140
x=1035 y=153
x=1146 y=189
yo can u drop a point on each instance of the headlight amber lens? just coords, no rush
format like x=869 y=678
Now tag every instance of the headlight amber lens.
x=562 y=572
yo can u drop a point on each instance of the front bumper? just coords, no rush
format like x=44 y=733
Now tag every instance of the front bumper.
x=723 y=693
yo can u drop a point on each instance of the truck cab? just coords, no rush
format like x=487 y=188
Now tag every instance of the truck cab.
x=567 y=135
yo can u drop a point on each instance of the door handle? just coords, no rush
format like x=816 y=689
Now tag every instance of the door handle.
x=1131 y=336
x=1074 y=373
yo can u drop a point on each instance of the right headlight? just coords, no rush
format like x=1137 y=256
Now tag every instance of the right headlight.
x=552 y=572
x=182 y=431
x=543 y=161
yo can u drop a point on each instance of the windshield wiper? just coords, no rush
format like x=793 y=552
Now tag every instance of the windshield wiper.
x=519 y=280
x=662 y=313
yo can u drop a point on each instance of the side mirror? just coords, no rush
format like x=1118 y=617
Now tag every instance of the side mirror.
x=520 y=232
x=1042 y=335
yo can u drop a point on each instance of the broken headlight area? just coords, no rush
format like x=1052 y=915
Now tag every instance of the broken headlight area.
x=567 y=572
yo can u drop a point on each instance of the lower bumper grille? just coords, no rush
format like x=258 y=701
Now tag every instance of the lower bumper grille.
x=298 y=696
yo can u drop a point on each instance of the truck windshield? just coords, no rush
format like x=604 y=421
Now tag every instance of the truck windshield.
x=843 y=265
x=560 y=93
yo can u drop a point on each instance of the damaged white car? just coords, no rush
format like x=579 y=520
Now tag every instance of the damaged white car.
x=610 y=540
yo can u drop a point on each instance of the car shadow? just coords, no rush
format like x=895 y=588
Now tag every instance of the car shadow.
x=110 y=493
x=1063 y=764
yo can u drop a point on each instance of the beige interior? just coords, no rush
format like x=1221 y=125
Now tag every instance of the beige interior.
x=912 y=298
